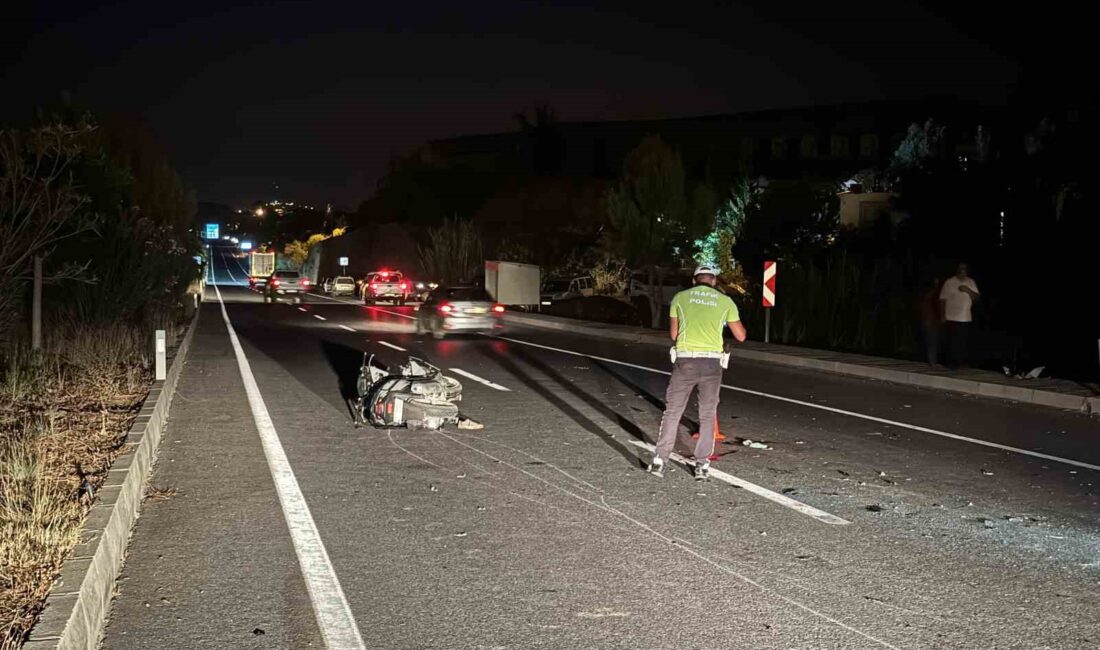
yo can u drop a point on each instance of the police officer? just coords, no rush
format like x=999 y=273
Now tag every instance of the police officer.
x=697 y=318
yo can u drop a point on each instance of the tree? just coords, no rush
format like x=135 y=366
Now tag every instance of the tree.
x=142 y=252
x=654 y=219
x=717 y=246
x=297 y=252
x=922 y=147
x=41 y=205
x=785 y=220
x=453 y=252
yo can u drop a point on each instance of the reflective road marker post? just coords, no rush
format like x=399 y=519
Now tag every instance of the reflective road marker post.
x=161 y=353
x=769 y=299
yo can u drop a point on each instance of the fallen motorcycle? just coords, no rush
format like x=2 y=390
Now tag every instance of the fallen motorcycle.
x=416 y=395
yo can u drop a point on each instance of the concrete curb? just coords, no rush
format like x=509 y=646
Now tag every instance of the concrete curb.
x=874 y=368
x=76 y=609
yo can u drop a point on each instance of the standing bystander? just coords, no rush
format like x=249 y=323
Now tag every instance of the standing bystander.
x=957 y=299
x=930 y=315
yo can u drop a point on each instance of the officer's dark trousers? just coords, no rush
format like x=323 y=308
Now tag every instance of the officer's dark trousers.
x=706 y=375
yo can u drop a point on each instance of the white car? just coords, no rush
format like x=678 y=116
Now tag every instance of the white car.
x=343 y=285
x=565 y=289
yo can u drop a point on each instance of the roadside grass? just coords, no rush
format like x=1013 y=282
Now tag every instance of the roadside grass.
x=63 y=415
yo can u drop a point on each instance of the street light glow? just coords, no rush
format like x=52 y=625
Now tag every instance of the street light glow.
x=259 y=212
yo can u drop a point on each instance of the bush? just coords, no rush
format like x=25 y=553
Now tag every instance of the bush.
x=64 y=413
x=839 y=301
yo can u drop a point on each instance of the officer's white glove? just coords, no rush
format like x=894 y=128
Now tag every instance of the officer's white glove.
x=672 y=354
x=725 y=360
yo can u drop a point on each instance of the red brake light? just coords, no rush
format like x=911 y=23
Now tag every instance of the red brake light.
x=274 y=283
x=305 y=282
x=498 y=309
x=446 y=308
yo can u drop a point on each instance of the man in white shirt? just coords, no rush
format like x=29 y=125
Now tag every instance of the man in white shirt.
x=957 y=299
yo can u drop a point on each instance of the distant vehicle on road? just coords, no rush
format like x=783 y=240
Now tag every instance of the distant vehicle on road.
x=564 y=289
x=290 y=284
x=423 y=289
x=385 y=285
x=450 y=310
x=260 y=268
x=326 y=285
x=343 y=285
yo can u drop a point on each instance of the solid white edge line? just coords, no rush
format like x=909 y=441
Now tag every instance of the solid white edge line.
x=781 y=499
x=334 y=617
x=872 y=418
x=460 y=371
x=319 y=317
x=391 y=345
x=346 y=327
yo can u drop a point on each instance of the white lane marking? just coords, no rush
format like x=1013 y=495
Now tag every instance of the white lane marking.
x=460 y=371
x=302 y=309
x=319 y=317
x=346 y=327
x=862 y=416
x=334 y=617
x=781 y=499
x=391 y=345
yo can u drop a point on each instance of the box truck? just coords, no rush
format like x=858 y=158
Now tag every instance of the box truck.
x=512 y=283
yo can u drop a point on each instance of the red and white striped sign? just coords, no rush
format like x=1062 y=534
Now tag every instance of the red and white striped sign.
x=769 y=284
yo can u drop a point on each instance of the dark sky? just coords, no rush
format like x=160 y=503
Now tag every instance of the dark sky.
x=318 y=96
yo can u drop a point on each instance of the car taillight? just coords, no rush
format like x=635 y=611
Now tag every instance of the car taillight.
x=446 y=309
x=498 y=309
x=305 y=282
x=404 y=286
x=274 y=283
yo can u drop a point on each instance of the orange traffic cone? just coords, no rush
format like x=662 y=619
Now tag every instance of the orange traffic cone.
x=718 y=435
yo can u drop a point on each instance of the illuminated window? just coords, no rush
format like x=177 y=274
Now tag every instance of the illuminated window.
x=868 y=146
x=779 y=148
x=808 y=148
x=838 y=146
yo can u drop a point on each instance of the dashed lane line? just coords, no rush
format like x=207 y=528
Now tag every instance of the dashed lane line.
x=334 y=617
x=346 y=328
x=862 y=416
x=470 y=375
x=319 y=317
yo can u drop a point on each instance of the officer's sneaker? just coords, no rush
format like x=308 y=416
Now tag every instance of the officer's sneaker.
x=656 y=467
x=702 y=470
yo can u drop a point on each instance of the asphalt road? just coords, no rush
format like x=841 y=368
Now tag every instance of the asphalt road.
x=542 y=530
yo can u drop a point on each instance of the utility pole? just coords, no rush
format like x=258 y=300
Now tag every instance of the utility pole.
x=36 y=305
